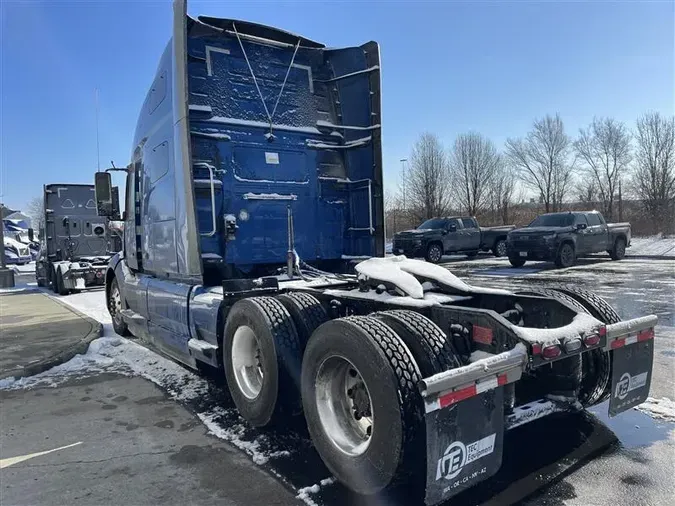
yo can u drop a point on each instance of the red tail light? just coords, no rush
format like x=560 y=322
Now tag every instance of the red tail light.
x=550 y=352
x=592 y=340
x=602 y=331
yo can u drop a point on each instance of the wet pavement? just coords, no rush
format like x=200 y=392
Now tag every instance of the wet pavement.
x=568 y=459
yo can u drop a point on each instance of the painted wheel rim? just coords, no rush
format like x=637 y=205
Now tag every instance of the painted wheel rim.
x=248 y=372
x=501 y=248
x=621 y=249
x=344 y=405
x=567 y=255
x=435 y=253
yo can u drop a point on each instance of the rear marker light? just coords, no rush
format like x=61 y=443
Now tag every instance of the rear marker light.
x=592 y=340
x=536 y=349
x=602 y=331
x=551 y=351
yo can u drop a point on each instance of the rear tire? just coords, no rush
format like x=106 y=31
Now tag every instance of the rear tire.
x=565 y=257
x=619 y=249
x=596 y=364
x=516 y=261
x=392 y=449
x=60 y=287
x=434 y=253
x=261 y=357
x=307 y=314
x=499 y=249
x=427 y=343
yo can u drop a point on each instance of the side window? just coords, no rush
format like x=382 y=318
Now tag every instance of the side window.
x=469 y=223
x=580 y=218
x=593 y=219
x=157 y=161
x=452 y=222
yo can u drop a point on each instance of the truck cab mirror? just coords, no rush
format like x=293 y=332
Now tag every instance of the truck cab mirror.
x=452 y=228
x=104 y=194
x=581 y=226
x=31 y=235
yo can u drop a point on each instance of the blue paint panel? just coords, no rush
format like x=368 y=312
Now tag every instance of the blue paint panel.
x=258 y=172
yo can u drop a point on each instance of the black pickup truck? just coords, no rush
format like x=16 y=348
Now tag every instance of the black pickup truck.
x=563 y=237
x=441 y=236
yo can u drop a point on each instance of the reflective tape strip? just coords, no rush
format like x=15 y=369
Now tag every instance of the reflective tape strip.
x=644 y=335
x=453 y=397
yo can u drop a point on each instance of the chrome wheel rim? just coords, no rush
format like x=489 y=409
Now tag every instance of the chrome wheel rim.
x=115 y=303
x=501 y=248
x=344 y=405
x=246 y=363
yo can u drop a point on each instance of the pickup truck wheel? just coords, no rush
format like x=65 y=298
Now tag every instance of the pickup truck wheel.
x=619 y=249
x=596 y=364
x=427 y=343
x=369 y=446
x=565 y=256
x=115 y=307
x=261 y=356
x=516 y=261
x=500 y=248
x=307 y=314
x=434 y=253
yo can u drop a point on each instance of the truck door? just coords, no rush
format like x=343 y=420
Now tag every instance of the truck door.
x=584 y=235
x=470 y=235
x=452 y=238
x=598 y=239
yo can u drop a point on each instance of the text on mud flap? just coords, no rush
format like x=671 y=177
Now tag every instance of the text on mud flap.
x=628 y=383
x=457 y=455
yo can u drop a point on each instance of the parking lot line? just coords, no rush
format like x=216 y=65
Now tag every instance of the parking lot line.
x=15 y=460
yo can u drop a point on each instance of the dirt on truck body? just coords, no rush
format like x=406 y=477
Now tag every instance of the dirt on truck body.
x=235 y=253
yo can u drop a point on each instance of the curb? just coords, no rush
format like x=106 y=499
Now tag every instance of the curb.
x=62 y=355
x=653 y=257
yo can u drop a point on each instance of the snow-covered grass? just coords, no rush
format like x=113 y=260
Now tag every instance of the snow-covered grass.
x=657 y=245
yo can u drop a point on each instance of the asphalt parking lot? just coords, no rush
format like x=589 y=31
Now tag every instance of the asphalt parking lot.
x=170 y=449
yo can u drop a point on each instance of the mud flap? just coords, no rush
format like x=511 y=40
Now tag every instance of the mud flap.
x=464 y=444
x=631 y=376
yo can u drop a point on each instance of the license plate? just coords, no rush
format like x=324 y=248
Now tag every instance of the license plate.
x=523 y=253
x=631 y=376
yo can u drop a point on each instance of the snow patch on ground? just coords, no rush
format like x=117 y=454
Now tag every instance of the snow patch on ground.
x=663 y=409
x=305 y=492
x=657 y=245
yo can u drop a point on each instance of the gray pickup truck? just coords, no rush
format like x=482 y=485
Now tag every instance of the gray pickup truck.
x=563 y=237
x=459 y=234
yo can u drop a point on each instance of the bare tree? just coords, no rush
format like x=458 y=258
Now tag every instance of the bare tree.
x=587 y=191
x=605 y=150
x=502 y=193
x=542 y=160
x=427 y=179
x=654 y=175
x=474 y=164
x=36 y=212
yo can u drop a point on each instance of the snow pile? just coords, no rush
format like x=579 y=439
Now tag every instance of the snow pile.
x=387 y=270
x=663 y=408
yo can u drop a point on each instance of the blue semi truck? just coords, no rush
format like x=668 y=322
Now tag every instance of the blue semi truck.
x=255 y=180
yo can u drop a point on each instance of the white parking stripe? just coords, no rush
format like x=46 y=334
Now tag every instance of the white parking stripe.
x=15 y=460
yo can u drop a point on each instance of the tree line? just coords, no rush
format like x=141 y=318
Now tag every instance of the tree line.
x=605 y=165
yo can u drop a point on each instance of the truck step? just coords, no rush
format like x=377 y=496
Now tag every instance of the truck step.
x=203 y=351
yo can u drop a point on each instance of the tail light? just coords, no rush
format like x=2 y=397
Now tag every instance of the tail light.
x=550 y=352
x=592 y=340
x=602 y=331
